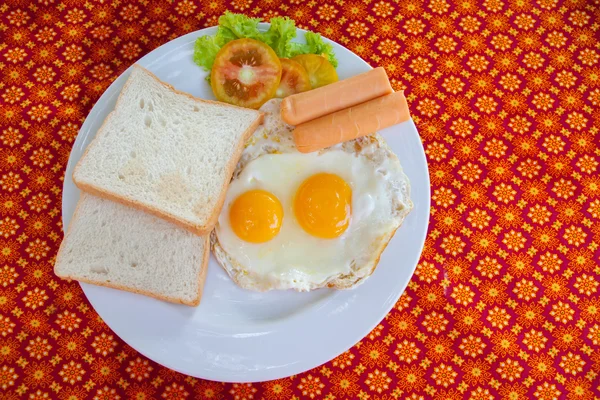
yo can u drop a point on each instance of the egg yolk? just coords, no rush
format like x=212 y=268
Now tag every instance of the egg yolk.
x=323 y=205
x=255 y=216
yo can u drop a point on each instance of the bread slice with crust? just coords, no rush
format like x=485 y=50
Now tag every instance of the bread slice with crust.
x=117 y=246
x=166 y=152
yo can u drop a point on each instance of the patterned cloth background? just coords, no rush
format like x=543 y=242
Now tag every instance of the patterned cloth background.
x=505 y=302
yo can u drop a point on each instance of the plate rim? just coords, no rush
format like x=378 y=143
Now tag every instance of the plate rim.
x=79 y=145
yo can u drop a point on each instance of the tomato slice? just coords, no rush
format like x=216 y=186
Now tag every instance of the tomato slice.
x=320 y=71
x=294 y=78
x=246 y=73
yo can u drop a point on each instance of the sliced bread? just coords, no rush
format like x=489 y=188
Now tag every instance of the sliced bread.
x=166 y=152
x=110 y=244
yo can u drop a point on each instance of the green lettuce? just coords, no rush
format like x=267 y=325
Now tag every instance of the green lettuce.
x=279 y=37
x=314 y=45
x=205 y=51
x=237 y=26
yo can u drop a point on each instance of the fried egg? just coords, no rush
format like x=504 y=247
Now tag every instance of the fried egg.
x=306 y=221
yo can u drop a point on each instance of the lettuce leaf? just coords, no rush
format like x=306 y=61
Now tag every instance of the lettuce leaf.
x=279 y=37
x=205 y=51
x=314 y=45
x=237 y=26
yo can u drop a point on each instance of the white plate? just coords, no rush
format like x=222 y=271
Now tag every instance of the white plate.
x=242 y=336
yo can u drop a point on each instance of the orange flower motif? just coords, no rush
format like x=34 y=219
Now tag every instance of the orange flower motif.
x=514 y=240
x=470 y=172
x=529 y=168
x=458 y=270
x=572 y=363
x=547 y=391
x=495 y=147
x=525 y=289
x=443 y=197
x=504 y=193
x=498 y=317
x=72 y=372
x=175 y=391
x=562 y=312
x=556 y=287
x=425 y=86
x=510 y=369
x=378 y=381
x=534 y=60
x=579 y=389
x=428 y=107
x=529 y=315
x=344 y=360
x=444 y=375
x=575 y=235
x=439 y=348
x=426 y=271
x=38 y=374
x=505 y=343
x=543 y=101
x=449 y=220
x=493 y=292
x=374 y=354
x=407 y=351
x=541 y=366
x=545 y=238
x=587 y=164
x=472 y=346
x=104 y=344
x=452 y=245
x=468 y=320
x=586 y=284
x=454 y=85
x=466 y=149
x=475 y=372
x=450 y=394
x=591 y=186
x=479 y=218
x=435 y=322
x=500 y=170
x=431 y=297
x=345 y=384
x=106 y=371
x=567 y=338
x=36 y=322
x=462 y=294
x=569 y=211
x=590 y=309
x=484 y=243
x=550 y=262
x=516 y=391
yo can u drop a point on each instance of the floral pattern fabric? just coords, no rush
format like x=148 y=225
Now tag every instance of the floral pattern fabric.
x=505 y=301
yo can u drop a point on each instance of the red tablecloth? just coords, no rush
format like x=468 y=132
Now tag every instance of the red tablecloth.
x=505 y=301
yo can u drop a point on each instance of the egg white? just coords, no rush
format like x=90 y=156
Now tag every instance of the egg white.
x=294 y=259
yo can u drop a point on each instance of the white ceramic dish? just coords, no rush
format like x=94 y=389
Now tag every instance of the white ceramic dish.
x=237 y=335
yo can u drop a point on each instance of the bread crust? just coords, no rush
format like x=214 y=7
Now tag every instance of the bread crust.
x=197 y=229
x=201 y=278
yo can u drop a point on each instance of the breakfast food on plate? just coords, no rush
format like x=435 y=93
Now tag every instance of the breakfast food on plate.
x=243 y=60
x=246 y=73
x=168 y=173
x=306 y=221
x=351 y=123
x=166 y=152
x=294 y=78
x=319 y=69
x=113 y=245
x=349 y=92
